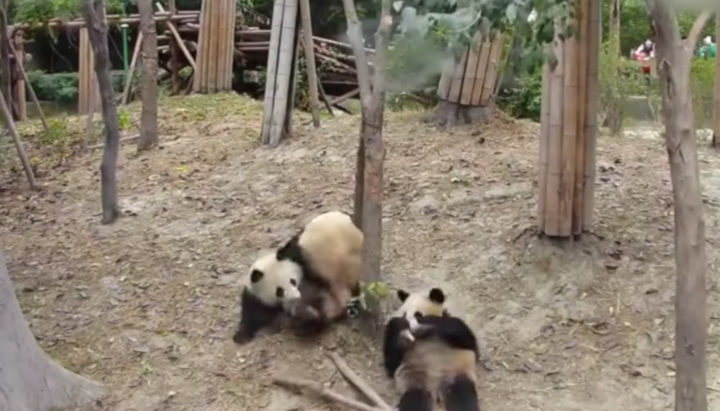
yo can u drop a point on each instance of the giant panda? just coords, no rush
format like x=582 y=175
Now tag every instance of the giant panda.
x=328 y=250
x=430 y=354
x=273 y=285
x=318 y=270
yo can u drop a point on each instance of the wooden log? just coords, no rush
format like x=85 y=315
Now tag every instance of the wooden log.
x=552 y=199
x=309 y=52
x=212 y=49
x=591 y=126
x=582 y=60
x=284 y=72
x=174 y=54
x=199 y=78
x=472 y=64
x=18 y=51
x=492 y=70
x=33 y=96
x=569 y=135
x=458 y=78
x=131 y=71
x=480 y=75
x=85 y=71
x=349 y=94
x=113 y=20
x=272 y=68
x=544 y=146
x=229 y=47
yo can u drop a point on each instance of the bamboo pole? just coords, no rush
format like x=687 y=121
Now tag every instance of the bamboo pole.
x=555 y=130
x=19 y=53
x=472 y=65
x=174 y=53
x=594 y=28
x=33 y=96
x=214 y=31
x=10 y=123
x=544 y=145
x=492 y=70
x=230 y=46
x=84 y=71
x=131 y=71
x=309 y=52
x=287 y=127
x=272 y=67
x=284 y=72
x=716 y=128
x=200 y=77
x=579 y=170
x=569 y=135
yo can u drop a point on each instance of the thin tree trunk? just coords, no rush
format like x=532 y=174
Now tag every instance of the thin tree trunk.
x=674 y=57
x=29 y=379
x=358 y=209
x=149 y=89
x=614 y=32
x=5 y=69
x=94 y=14
x=716 y=128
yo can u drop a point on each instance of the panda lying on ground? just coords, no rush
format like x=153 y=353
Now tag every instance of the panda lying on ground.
x=431 y=355
x=312 y=277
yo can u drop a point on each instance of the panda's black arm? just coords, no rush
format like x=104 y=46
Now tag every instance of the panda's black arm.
x=293 y=252
x=254 y=316
x=393 y=349
x=452 y=330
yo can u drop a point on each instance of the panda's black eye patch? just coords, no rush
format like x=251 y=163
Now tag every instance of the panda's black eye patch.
x=418 y=316
x=279 y=292
x=293 y=281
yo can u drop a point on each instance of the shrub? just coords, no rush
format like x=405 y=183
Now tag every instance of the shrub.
x=702 y=80
x=522 y=98
x=63 y=87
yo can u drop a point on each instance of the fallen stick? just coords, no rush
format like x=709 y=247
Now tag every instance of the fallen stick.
x=122 y=140
x=308 y=387
x=358 y=383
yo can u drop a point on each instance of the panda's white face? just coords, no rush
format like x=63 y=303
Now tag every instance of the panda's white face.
x=415 y=305
x=275 y=282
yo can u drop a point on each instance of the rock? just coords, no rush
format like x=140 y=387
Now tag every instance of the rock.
x=426 y=204
x=503 y=192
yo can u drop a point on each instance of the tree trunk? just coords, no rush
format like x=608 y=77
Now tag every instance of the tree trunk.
x=5 y=69
x=94 y=14
x=716 y=128
x=674 y=56
x=29 y=379
x=358 y=209
x=447 y=115
x=614 y=31
x=149 y=89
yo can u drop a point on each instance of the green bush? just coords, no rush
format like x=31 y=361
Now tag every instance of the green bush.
x=523 y=98
x=62 y=87
x=702 y=81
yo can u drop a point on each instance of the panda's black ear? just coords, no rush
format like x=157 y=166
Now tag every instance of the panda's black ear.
x=256 y=275
x=437 y=296
x=402 y=295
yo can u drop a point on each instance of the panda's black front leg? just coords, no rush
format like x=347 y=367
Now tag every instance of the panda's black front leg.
x=254 y=316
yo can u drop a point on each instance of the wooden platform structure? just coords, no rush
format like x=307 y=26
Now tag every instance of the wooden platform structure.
x=472 y=81
x=568 y=130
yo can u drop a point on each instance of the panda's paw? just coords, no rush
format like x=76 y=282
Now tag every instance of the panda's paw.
x=242 y=337
x=422 y=331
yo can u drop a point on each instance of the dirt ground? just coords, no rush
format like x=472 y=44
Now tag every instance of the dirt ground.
x=148 y=305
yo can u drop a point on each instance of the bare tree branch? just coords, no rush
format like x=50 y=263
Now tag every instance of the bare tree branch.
x=356 y=40
x=358 y=383
x=382 y=39
x=697 y=28
x=308 y=387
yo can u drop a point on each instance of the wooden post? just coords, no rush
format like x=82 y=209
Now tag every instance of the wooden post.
x=309 y=52
x=716 y=128
x=284 y=71
x=568 y=128
x=174 y=54
x=19 y=52
x=131 y=70
x=86 y=73
x=216 y=47
x=32 y=93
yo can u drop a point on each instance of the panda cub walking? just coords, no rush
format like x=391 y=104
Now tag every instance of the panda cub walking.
x=431 y=355
x=312 y=277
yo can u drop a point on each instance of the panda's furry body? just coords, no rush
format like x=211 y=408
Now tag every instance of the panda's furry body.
x=319 y=269
x=431 y=355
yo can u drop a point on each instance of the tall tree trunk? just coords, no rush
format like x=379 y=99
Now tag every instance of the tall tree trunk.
x=5 y=68
x=94 y=14
x=614 y=32
x=716 y=127
x=29 y=379
x=674 y=57
x=149 y=89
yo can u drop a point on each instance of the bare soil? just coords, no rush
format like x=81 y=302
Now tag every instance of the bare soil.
x=148 y=305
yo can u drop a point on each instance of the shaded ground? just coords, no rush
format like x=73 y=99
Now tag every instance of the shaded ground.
x=148 y=305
